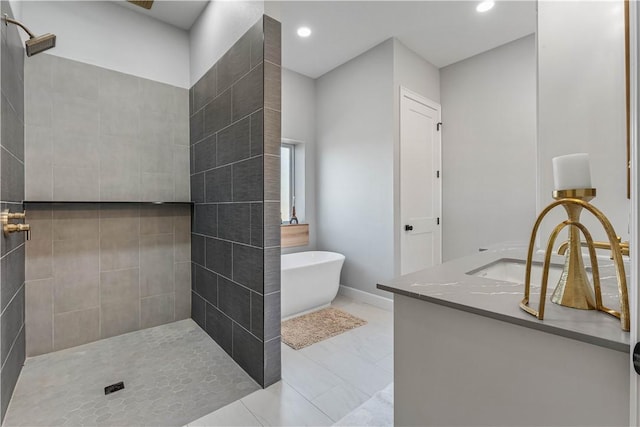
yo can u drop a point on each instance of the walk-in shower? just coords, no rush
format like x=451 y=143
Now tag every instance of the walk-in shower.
x=35 y=44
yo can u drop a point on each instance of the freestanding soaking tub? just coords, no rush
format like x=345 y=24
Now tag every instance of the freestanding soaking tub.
x=310 y=281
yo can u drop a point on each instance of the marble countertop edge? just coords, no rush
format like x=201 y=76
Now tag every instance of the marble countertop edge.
x=450 y=285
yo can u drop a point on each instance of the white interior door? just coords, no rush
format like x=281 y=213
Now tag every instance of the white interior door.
x=420 y=189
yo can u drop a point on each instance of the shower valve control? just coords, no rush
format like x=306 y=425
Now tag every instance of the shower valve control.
x=8 y=228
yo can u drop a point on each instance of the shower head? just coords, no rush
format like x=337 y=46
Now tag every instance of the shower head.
x=40 y=43
x=35 y=44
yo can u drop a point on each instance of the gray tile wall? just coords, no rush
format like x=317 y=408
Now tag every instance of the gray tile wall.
x=94 y=134
x=235 y=185
x=12 y=331
x=98 y=270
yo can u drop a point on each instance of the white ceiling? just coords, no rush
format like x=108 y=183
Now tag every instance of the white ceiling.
x=442 y=32
x=179 y=13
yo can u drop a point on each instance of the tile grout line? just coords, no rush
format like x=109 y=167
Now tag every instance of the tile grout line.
x=311 y=401
x=139 y=217
x=251 y=412
x=15 y=249
x=4 y=362
x=232 y=281
x=14 y=297
x=231 y=319
x=173 y=257
x=232 y=241
x=218 y=93
x=99 y=269
x=233 y=123
x=53 y=285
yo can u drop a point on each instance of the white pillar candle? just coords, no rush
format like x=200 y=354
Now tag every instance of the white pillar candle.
x=571 y=172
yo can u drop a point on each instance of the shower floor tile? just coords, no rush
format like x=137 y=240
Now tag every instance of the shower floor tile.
x=173 y=374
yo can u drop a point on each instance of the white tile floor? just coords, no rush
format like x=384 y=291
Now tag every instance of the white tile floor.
x=323 y=382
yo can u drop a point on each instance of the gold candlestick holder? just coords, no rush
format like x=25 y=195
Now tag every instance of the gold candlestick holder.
x=578 y=293
x=573 y=289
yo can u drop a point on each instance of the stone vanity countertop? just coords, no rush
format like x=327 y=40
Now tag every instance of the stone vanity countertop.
x=449 y=284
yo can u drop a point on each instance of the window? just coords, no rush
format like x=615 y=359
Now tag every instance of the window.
x=287 y=188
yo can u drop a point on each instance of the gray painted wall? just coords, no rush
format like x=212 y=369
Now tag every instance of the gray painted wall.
x=415 y=73
x=95 y=271
x=101 y=33
x=235 y=185
x=94 y=134
x=299 y=124
x=354 y=136
x=357 y=160
x=581 y=105
x=12 y=331
x=489 y=148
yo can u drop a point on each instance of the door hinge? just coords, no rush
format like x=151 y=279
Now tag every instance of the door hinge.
x=437 y=174
x=438 y=221
x=438 y=126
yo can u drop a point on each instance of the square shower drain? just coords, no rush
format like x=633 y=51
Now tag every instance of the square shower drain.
x=114 y=387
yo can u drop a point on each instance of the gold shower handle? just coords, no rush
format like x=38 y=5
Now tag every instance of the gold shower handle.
x=16 y=215
x=13 y=228
x=5 y=216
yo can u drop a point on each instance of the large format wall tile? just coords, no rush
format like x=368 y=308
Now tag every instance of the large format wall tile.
x=235 y=185
x=39 y=315
x=182 y=289
x=11 y=177
x=12 y=270
x=12 y=129
x=218 y=185
x=75 y=328
x=204 y=90
x=157 y=310
x=76 y=274
x=12 y=249
x=117 y=267
x=156 y=264
x=204 y=153
x=11 y=370
x=101 y=135
x=234 y=142
x=248 y=93
x=11 y=323
x=217 y=113
x=205 y=284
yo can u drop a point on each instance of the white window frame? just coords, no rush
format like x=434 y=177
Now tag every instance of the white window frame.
x=292 y=175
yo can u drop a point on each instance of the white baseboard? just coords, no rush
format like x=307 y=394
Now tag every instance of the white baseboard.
x=366 y=297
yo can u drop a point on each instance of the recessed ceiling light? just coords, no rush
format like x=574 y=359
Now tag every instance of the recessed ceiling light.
x=304 y=31
x=485 y=5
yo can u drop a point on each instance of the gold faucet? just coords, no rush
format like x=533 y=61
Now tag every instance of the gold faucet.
x=8 y=228
x=624 y=246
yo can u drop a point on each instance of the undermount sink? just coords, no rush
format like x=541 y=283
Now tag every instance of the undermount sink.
x=513 y=270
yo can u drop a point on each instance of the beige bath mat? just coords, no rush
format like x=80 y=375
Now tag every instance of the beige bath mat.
x=311 y=328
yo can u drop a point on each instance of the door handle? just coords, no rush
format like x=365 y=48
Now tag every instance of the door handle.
x=408 y=227
x=636 y=358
